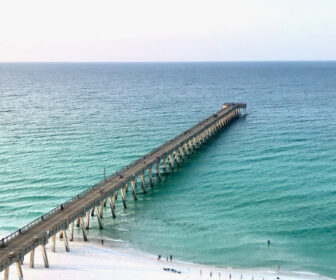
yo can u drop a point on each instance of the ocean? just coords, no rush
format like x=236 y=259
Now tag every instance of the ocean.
x=269 y=176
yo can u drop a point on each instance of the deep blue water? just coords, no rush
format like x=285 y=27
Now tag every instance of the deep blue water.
x=270 y=176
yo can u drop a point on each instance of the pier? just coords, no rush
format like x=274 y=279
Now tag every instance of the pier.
x=78 y=210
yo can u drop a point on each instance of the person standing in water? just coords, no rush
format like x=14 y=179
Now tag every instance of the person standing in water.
x=269 y=243
x=102 y=242
x=171 y=258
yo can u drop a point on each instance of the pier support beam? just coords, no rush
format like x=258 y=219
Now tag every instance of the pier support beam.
x=92 y=212
x=158 y=170
x=87 y=220
x=83 y=229
x=112 y=205
x=71 y=231
x=133 y=183
x=19 y=270
x=32 y=258
x=143 y=184
x=98 y=218
x=53 y=243
x=123 y=196
x=44 y=255
x=66 y=243
x=150 y=176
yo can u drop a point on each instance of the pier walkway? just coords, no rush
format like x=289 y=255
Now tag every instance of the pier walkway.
x=78 y=210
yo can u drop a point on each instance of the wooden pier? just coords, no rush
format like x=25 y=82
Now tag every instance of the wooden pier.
x=78 y=210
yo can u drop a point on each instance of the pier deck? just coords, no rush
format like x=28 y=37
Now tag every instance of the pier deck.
x=14 y=247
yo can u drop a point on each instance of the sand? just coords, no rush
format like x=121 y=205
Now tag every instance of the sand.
x=90 y=260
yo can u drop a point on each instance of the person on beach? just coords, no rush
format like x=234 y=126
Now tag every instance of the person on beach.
x=210 y=274
x=219 y=275
x=102 y=242
x=171 y=258
x=159 y=257
x=201 y=272
x=230 y=275
x=167 y=258
x=278 y=268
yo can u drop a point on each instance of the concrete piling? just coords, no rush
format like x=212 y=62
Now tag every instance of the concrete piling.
x=53 y=243
x=123 y=195
x=143 y=183
x=45 y=257
x=164 y=165
x=112 y=205
x=66 y=243
x=32 y=258
x=98 y=218
x=87 y=220
x=83 y=229
x=133 y=183
x=150 y=176
x=158 y=170
x=19 y=271
x=71 y=231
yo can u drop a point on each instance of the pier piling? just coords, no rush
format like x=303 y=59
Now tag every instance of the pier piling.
x=19 y=271
x=44 y=255
x=133 y=183
x=66 y=243
x=32 y=257
x=143 y=183
x=71 y=231
x=83 y=229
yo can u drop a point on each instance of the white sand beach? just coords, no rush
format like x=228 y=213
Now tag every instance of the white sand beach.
x=90 y=260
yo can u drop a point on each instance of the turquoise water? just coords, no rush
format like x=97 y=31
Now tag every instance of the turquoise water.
x=270 y=176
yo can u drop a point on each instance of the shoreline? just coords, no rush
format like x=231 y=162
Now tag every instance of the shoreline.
x=91 y=260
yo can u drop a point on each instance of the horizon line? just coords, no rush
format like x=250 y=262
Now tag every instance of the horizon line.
x=166 y=61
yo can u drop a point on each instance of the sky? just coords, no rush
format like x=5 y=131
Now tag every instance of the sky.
x=171 y=30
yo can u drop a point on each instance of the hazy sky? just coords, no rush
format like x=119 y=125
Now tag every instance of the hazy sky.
x=171 y=30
